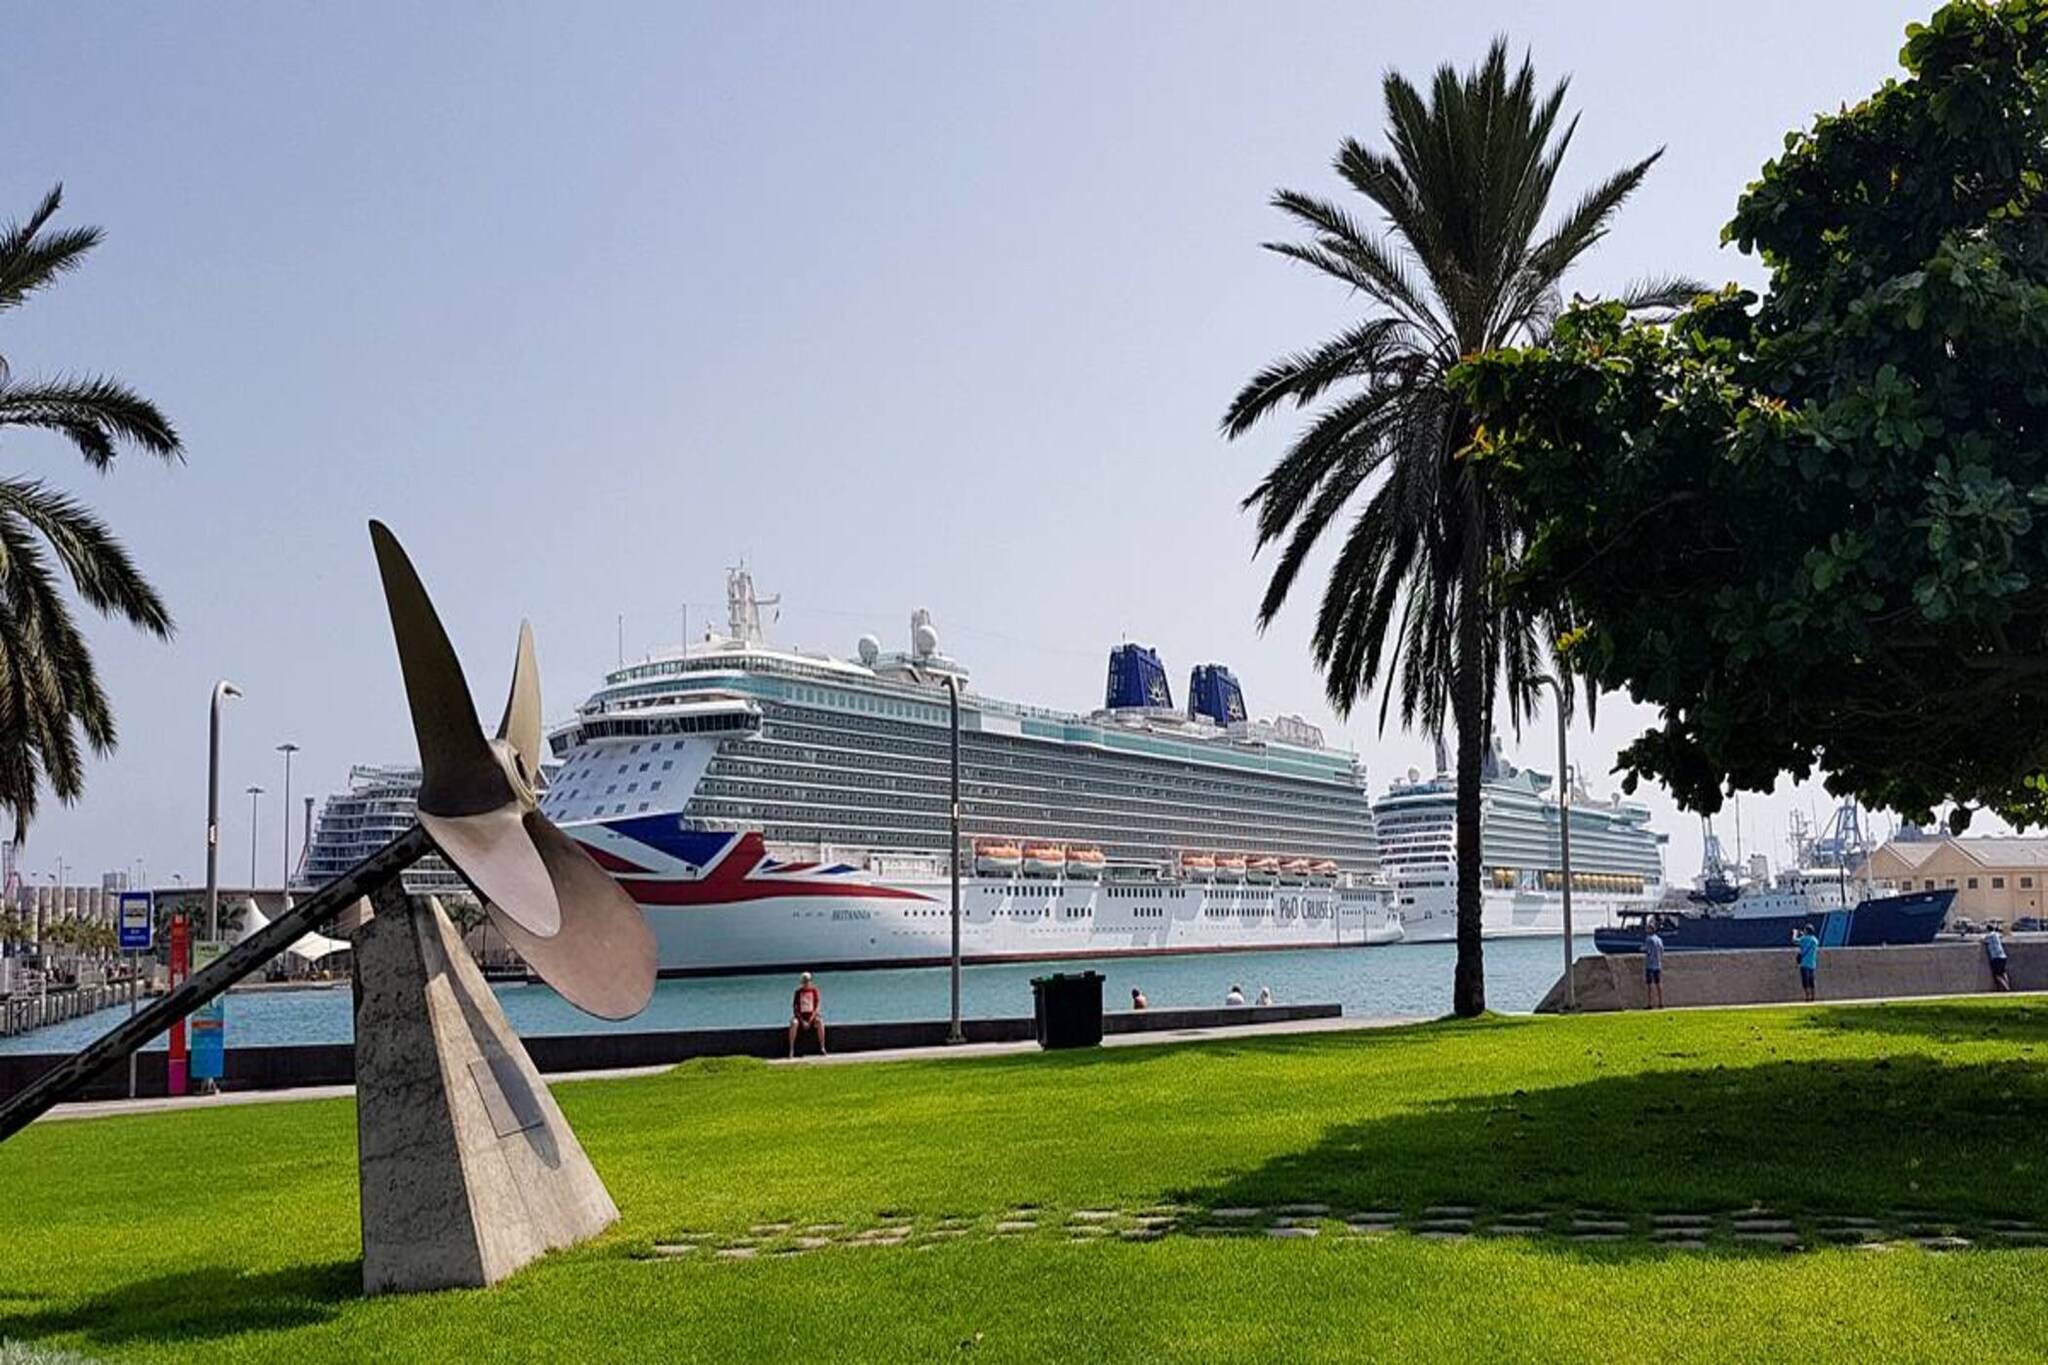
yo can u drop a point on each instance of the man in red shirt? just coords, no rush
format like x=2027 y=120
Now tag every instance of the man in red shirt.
x=805 y=1014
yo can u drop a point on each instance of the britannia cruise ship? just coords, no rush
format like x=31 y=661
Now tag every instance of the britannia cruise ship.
x=774 y=809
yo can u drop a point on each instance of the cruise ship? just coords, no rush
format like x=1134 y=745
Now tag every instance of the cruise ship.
x=377 y=807
x=777 y=809
x=1617 y=859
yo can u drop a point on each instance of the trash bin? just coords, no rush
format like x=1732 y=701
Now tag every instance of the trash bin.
x=1067 y=1008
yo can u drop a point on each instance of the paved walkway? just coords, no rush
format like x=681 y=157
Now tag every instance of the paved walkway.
x=99 y=1109
x=1753 y=1229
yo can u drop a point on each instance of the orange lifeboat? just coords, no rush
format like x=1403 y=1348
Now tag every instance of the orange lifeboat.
x=1296 y=869
x=998 y=857
x=1084 y=861
x=1326 y=868
x=1198 y=865
x=1044 y=860
x=1230 y=867
x=1262 y=869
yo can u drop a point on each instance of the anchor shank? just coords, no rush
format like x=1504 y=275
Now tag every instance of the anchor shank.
x=63 y=1080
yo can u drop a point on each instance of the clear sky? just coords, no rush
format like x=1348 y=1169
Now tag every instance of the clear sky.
x=908 y=305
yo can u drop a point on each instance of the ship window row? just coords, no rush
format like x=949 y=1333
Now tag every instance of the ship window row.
x=934 y=766
x=988 y=803
x=975 y=782
x=596 y=728
x=868 y=704
x=1005 y=752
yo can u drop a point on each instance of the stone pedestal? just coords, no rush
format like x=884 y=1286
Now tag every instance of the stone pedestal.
x=468 y=1169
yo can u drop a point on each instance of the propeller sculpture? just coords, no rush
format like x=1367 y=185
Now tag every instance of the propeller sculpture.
x=445 y=1092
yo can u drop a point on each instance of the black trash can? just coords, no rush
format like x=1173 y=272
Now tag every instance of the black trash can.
x=1067 y=1008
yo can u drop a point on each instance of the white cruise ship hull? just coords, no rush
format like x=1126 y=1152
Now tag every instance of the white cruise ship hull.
x=1430 y=914
x=719 y=904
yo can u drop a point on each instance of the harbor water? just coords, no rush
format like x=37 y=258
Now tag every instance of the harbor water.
x=1411 y=980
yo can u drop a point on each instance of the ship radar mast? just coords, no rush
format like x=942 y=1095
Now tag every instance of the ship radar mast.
x=743 y=607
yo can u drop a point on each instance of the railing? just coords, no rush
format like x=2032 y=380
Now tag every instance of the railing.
x=24 y=1012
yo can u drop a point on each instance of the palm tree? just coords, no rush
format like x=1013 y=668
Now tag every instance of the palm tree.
x=50 y=694
x=1465 y=265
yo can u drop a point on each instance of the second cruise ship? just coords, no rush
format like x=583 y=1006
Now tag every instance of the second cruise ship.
x=774 y=809
x=1617 y=859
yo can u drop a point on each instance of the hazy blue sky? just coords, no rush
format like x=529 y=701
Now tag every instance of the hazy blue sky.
x=908 y=305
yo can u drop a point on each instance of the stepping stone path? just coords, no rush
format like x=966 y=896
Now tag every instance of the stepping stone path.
x=1751 y=1229
x=1520 y=1225
x=1763 y=1228
x=1597 y=1225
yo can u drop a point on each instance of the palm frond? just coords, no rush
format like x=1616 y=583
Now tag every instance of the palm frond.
x=1359 y=352
x=29 y=260
x=98 y=565
x=95 y=414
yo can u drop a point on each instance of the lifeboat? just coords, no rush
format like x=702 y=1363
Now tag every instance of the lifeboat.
x=1262 y=869
x=1083 y=861
x=998 y=857
x=1230 y=867
x=1044 y=860
x=1296 y=870
x=1326 y=869
x=1198 y=865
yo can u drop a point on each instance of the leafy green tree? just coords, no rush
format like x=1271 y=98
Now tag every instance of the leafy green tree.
x=50 y=693
x=1809 y=526
x=1465 y=264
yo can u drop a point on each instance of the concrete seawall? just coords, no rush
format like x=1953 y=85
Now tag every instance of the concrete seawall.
x=289 y=1067
x=1762 y=976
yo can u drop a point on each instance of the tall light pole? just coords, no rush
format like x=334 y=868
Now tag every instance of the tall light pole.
x=953 y=1033
x=284 y=869
x=222 y=690
x=952 y=686
x=1564 y=837
x=254 y=792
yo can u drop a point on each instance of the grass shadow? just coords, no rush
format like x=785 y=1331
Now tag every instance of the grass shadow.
x=1946 y=1143
x=202 y=1304
x=2014 y=1022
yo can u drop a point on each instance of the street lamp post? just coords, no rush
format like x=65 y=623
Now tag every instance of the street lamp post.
x=254 y=792
x=952 y=686
x=953 y=1033
x=222 y=690
x=1564 y=838
x=284 y=869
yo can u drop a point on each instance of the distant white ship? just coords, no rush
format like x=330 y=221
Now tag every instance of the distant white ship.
x=1617 y=859
x=774 y=809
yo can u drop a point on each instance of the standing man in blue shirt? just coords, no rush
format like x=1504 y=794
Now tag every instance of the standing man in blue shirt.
x=1653 y=967
x=1809 y=960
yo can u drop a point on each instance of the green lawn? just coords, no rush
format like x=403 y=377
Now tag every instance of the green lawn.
x=231 y=1234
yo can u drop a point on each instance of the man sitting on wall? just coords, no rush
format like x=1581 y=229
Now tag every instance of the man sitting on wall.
x=805 y=1014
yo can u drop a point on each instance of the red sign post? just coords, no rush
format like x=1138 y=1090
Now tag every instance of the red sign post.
x=181 y=967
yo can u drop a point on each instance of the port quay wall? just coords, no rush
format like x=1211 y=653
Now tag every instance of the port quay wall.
x=308 y=1064
x=1764 y=976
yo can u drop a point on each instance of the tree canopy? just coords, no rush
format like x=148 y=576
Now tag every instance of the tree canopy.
x=50 y=692
x=1811 y=527
x=1454 y=257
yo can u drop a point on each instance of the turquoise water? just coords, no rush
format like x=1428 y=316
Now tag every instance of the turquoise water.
x=1399 y=979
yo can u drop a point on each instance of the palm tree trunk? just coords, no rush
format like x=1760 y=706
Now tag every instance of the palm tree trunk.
x=1468 y=698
